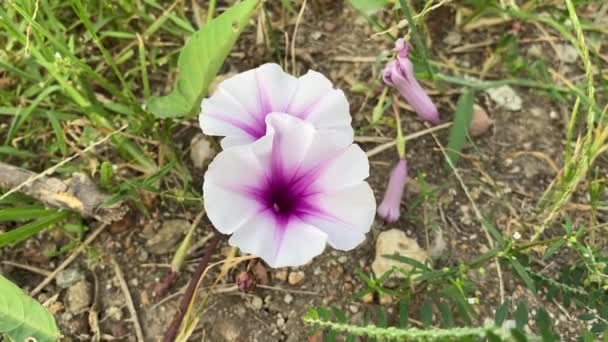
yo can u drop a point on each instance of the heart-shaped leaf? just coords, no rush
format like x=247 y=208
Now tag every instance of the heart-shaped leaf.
x=200 y=60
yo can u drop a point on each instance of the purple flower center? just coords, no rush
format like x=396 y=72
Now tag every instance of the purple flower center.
x=281 y=198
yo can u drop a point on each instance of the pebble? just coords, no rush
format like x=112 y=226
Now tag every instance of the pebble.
x=166 y=239
x=386 y=299
x=296 y=277
x=257 y=303
x=114 y=313
x=566 y=53
x=367 y=298
x=452 y=38
x=201 y=151
x=505 y=97
x=229 y=330
x=480 y=121
x=69 y=277
x=391 y=242
x=281 y=275
x=288 y=299
x=353 y=308
x=438 y=246
x=78 y=297
x=343 y=259
x=280 y=321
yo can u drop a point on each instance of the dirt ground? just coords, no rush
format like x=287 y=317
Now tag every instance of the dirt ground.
x=505 y=171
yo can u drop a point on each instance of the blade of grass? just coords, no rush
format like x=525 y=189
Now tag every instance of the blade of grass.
x=24 y=213
x=460 y=129
x=21 y=233
x=84 y=17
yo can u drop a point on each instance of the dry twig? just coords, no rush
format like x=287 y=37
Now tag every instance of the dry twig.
x=125 y=290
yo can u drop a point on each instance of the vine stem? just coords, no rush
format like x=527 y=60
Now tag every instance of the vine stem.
x=173 y=329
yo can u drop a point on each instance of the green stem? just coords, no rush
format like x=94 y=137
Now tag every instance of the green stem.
x=211 y=10
x=420 y=46
x=400 y=140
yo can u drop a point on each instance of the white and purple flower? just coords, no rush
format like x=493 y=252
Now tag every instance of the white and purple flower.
x=296 y=187
x=238 y=108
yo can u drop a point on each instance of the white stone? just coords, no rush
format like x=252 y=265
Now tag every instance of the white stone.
x=393 y=242
x=505 y=97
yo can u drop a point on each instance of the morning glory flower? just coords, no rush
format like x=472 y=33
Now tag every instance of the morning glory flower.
x=389 y=208
x=238 y=108
x=399 y=74
x=285 y=195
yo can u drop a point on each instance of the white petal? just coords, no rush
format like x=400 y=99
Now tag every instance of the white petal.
x=226 y=204
x=316 y=100
x=348 y=215
x=275 y=86
x=240 y=104
x=292 y=138
x=349 y=168
x=293 y=245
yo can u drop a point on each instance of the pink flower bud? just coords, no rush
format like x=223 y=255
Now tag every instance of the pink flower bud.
x=399 y=74
x=245 y=281
x=389 y=208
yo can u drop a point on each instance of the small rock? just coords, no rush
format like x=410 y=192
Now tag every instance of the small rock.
x=438 y=246
x=566 y=53
x=281 y=275
x=505 y=97
x=114 y=313
x=453 y=38
x=480 y=121
x=288 y=299
x=386 y=299
x=392 y=242
x=353 y=308
x=317 y=337
x=118 y=329
x=368 y=298
x=329 y=26
x=69 y=277
x=536 y=50
x=257 y=303
x=168 y=236
x=316 y=35
x=280 y=321
x=78 y=297
x=296 y=277
x=343 y=259
x=228 y=330
x=201 y=151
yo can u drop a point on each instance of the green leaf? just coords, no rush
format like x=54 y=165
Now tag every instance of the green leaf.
x=407 y=260
x=403 y=314
x=521 y=315
x=10 y=151
x=521 y=271
x=106 y=174
x=446 y=314
x=426 y=315
x=22 y=318
x=29 y=229
x=200 y=60
x=460 y=129
x=24 y=213
x=369 y=7
x=554 y=248
x=501 y=313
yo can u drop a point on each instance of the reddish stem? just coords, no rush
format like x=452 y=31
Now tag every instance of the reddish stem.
x=173 y=329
